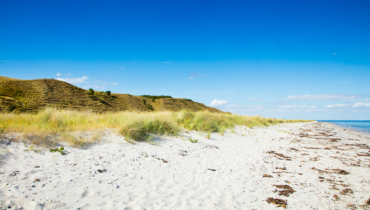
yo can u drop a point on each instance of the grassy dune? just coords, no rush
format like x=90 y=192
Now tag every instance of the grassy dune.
x=34 y=95
x=52 y=125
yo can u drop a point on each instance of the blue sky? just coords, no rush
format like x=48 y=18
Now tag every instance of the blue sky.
x=283 y=59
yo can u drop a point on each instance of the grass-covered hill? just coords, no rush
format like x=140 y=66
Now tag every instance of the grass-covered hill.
x=33 y=95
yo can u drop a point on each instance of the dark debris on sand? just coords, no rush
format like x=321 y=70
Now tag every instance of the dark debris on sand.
x=279 y=155
x=277 y=201
x=346 y=191
x=286 y=190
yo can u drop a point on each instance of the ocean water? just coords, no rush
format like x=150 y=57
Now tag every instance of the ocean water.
x=359 y=125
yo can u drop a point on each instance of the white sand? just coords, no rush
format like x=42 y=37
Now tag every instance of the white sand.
x=136 y=177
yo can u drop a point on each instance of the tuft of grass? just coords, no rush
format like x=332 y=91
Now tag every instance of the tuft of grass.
x=208 y=135
x=2 y=129
x=140 y=128
x=193 y=140
x=60 y=150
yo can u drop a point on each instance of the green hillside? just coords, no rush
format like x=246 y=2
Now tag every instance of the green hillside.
x=32 y=95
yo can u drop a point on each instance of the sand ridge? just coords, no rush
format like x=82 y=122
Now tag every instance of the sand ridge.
x=294 y=166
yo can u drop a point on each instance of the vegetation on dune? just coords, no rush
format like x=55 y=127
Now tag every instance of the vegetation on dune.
x=155 y=97
x=69 y=125
x=31 y=96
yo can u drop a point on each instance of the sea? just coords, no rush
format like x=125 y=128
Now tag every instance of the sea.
x=359 y=125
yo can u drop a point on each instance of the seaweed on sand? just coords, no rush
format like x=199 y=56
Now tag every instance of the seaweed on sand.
x=277 y=201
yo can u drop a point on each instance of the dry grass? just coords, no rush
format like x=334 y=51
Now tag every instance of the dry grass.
x=52 y=125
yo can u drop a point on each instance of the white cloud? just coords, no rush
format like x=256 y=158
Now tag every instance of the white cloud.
x=255 y=99
x=109 y=83
x=324 y=97
x=121 y=67
x=338 y=105
x=74 y=80
x=59 y=74
x=218 y=102
x=69 y=74
x=245 y=106
x=191 y=77
x=367 y=100
x=98 y=87
x=361 y=105
x=312 y=107
x=105 y=83
x=292 y=106
x=166 y=62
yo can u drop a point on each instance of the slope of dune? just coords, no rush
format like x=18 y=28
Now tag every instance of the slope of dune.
x=33 y=95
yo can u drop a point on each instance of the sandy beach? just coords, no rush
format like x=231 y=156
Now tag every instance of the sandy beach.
x=305 y=165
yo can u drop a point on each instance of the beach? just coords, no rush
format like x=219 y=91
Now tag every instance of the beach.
x=294 y=166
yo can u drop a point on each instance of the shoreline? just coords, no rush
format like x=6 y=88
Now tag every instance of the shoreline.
x=352 y=128
x=347 y=129
x=295 y=166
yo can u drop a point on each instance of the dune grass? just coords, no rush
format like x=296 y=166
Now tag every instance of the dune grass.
x=69 y=126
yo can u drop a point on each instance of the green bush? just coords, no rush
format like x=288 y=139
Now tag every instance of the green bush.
x=108 y=92
x=91 y=91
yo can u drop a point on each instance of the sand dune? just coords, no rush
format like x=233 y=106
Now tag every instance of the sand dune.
x=306 y=165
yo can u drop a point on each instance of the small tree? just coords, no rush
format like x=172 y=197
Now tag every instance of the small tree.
x=107 y=92
x=91 y=91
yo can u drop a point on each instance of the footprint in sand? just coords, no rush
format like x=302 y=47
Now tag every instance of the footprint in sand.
x=88 y=194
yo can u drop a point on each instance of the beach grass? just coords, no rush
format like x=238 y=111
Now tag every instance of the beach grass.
x=68 y=125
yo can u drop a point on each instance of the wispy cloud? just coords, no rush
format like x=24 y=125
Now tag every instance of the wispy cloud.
x=361 y=105
x=255 y=99
x=192 y=76
x=165 y=62
x=109 y=83
x=59 y=74
x=121 y=67
x=244 y=106
x=218 y=102
x=69 y=74
x=292 y=106
x=356 y=105
x=74 y=80
x=6 y=61
x=312 y=107
x=105 y=83
x=98 y=87
x=338 y=105
x=324 y=97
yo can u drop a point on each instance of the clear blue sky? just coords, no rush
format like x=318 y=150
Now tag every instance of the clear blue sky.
x=284 y=59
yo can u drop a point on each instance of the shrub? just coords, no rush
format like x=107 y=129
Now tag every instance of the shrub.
x=91 y=91
x=108 y=92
